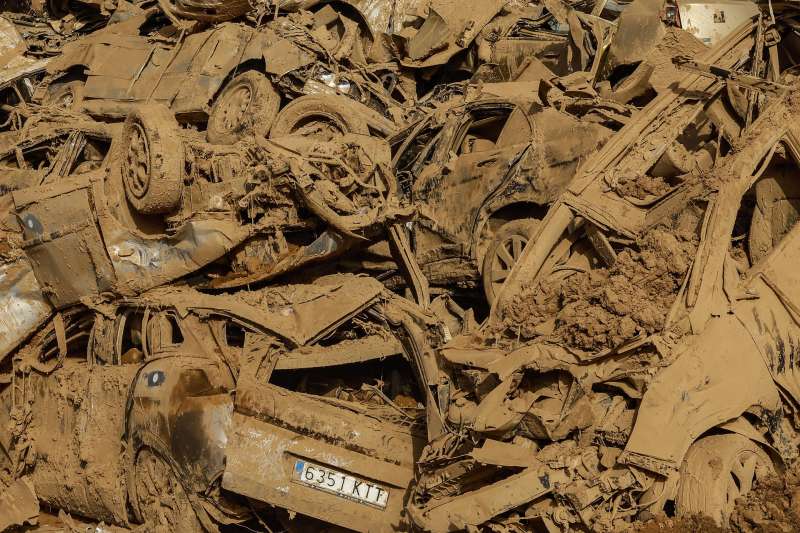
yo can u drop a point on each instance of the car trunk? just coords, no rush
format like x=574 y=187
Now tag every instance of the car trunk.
x=321 y=457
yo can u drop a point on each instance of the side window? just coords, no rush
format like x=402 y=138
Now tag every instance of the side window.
x=482 y=133
x=163 y=332
x=130 y=336
x=242 y=345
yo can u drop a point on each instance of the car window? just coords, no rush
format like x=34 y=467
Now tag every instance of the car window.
x=130 y=336
x=231 y=337
x=163 y=332
x=482 y=132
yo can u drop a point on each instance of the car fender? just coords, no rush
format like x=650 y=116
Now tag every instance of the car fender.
x=718 y=377
x=235 y=47
x=181 y=406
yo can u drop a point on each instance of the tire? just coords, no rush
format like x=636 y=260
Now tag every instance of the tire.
x=161 y=501
x=324 y=116
x=246 y=106
x=66 y=93
x=716 y=471
x=152 y=160
x=503 y=252
x=214 y=11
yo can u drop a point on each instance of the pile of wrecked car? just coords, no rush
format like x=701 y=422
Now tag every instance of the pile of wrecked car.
x=396 y=266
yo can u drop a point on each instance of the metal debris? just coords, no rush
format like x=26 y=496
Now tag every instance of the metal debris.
x=510 y=266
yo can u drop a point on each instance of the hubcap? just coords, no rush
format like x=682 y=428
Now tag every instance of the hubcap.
x=235 y=107
x=137 y=171
x=505 y=257
x=67 y=100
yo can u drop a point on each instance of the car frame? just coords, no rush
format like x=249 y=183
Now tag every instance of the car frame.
x=178 y=380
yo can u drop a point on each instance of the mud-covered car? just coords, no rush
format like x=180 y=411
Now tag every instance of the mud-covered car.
x=19 y=77
x=166 y=408
x=233 y=78
x=639 y=359
x=161 y=205
x=482 y=173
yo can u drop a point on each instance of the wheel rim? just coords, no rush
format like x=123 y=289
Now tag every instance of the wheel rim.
x=235 y=106
x=158 y=493
x=137 y=175
x=66 y=100
x=505 y=256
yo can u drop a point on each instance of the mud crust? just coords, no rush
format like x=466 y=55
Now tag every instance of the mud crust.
x=320 y=116
x=717 y=471
x=152 y=160
x=246 y=106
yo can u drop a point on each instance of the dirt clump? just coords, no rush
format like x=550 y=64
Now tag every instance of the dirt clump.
x=604 y=307
x=773 y=506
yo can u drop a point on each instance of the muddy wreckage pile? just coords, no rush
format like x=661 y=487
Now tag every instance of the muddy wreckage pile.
x=422 y=265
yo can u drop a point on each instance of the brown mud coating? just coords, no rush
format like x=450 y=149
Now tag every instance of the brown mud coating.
x=419 y=265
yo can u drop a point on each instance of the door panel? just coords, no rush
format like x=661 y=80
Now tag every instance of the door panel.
x=77 y=431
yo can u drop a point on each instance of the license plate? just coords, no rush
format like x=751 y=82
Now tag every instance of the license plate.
x=340 y=484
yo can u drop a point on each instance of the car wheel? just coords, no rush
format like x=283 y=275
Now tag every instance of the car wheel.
x=246 y=106
x=716 y=471
x=161 y=500
x=323 y=116
x=66 y=93
x=503 y=252
x=152 y=160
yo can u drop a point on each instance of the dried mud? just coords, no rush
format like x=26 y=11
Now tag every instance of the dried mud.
x=603 y=308
x=772 y=506
x=184 y=351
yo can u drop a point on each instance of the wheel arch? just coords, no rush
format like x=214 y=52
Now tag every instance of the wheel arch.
x=697 y=393
x=158 y=448
x=254 y=63
x=141 y=428
x=513 y=208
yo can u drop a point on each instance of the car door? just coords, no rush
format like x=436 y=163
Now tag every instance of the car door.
x=117 y=64
x=769 y=303
x=78 y=393
x=62 y=239
x=480 y=155
x=118 y=56
x=169 y=69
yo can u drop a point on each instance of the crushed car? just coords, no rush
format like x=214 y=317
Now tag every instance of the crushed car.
x=232 y=79
x=638 y=360
x=164 y=409
x=157 y=206
x=502 y=157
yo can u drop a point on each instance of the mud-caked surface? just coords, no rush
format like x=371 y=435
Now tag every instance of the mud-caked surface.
x=772 y=507
x=602 y=308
